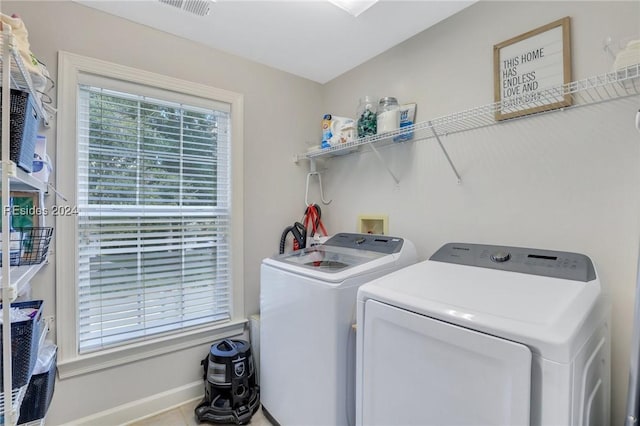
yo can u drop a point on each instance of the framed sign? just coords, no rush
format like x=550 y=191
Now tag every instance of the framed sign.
x=528 y=68
x=24 y=210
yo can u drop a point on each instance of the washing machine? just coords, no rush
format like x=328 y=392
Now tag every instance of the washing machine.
x=307 y=314
x=485 y=335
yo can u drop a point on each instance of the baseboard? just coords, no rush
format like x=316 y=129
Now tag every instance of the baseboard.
x=142 y=408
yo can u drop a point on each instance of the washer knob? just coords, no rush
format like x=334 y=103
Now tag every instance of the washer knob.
x=500 y=256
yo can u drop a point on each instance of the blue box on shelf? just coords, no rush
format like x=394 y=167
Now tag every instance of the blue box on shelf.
x=25 y=336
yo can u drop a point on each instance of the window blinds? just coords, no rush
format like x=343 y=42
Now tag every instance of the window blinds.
x=153 y=216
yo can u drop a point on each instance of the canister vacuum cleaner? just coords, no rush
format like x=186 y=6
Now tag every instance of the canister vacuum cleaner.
x=231 y=393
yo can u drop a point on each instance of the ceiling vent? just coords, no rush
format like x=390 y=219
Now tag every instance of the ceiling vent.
x=197 y=7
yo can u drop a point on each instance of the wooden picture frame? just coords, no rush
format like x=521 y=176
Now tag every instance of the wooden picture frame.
x=530 y=70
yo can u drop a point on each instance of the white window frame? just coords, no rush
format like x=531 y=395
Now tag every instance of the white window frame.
x=70 y=362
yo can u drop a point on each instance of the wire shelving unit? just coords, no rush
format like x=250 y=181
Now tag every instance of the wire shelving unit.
x=14 y=75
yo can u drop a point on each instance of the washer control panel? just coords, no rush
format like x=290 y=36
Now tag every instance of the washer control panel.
x=548 y=263
x=371 y=242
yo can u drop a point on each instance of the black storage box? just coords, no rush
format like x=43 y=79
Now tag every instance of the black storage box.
x=39 y=394
x=23 y=129
x=25 y=336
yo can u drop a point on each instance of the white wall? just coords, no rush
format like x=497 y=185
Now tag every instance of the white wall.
x=273 y=184
x=564 y=180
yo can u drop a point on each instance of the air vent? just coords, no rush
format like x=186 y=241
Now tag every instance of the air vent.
x=197 y=7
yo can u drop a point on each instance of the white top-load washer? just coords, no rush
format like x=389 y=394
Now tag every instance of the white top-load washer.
x=485 y=335
x=307 y=309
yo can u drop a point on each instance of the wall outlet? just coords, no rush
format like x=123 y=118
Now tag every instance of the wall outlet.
x=373 y=224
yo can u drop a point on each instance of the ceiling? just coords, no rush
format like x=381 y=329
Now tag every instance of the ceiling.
x=312 y=39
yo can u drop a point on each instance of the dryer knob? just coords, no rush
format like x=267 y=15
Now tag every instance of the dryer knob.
x=500 y=256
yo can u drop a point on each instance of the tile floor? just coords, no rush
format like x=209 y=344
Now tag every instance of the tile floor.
x=184 y=416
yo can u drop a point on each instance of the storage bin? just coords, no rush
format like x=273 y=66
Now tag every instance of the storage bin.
x=35 y=244
x=38 y=396
x=31 y=245
x=25 y=337
x=23 y=129
x=15 y=247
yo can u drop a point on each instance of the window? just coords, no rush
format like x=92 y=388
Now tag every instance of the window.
x=155 y=193
x=153 y=216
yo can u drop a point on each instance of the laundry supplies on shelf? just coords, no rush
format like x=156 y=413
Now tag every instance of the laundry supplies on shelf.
x=366 y=116
x=407 y=119
x=337 y=130
x=388 y=118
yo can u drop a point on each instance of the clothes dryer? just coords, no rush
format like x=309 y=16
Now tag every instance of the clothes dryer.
x=485 y=335
x=307 y=310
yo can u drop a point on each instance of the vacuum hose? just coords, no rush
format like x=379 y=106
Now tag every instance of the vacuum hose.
x=311 y=217
x=299 y=236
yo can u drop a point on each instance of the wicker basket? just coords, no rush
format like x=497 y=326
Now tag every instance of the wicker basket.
x=38 y=396
x=25 y=337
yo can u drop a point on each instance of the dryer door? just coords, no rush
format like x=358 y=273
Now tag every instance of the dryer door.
x=421 y=371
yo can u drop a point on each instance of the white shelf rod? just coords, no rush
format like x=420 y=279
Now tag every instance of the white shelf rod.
x=375 y=151
x=446 y=154
x=10 y=412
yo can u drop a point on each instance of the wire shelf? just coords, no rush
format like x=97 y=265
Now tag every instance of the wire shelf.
x=30 y=245
x=20 y=77
x=589 y=91
x=17 y=395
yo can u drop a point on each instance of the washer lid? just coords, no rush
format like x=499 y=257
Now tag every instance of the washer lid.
x=327 y=258
x=330 y=263
x=550 y=315
x=347 y=255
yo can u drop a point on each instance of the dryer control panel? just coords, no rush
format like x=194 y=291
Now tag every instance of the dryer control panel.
x=548 y=263
x=371 y=242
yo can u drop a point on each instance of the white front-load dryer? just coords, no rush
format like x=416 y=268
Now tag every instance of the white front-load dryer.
x=307 y=310
x=485 y=335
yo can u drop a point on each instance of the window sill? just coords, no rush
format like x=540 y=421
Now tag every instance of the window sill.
x=119 y=356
